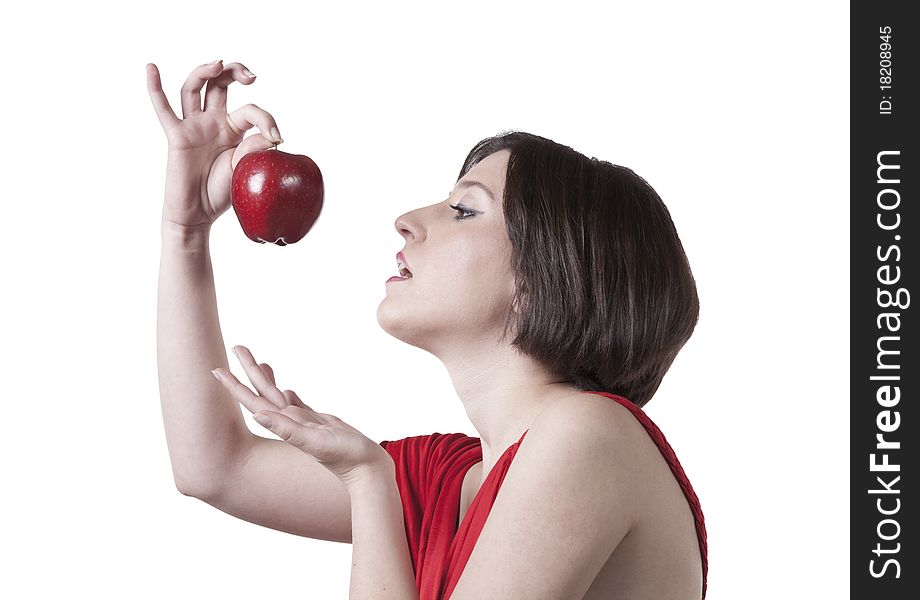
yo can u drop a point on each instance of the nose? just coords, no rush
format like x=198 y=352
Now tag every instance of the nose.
x=406 y=226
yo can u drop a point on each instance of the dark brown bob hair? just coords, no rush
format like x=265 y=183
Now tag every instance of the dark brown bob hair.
x=604 y=296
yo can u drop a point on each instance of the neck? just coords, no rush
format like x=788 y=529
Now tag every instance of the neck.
x=502 y=391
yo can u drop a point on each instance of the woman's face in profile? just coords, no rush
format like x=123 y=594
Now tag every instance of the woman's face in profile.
x=461 y=281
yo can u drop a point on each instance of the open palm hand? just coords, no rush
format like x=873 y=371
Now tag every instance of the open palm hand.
x=342 y=449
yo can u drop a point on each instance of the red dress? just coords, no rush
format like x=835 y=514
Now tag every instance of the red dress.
x=429 y=474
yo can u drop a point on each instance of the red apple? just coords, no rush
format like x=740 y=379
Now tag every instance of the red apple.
x=277 y=196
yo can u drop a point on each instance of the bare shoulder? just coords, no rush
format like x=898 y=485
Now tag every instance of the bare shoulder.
x=565 y=504
x=607 y=437
x=596 y=419
x=605 y=453
x=587 y=435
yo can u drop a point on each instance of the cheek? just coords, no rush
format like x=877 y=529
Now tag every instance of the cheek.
x=477 y=268
x=477 y=262
x=487 y=277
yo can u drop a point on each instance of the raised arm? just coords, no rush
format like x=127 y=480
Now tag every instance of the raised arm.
x=214 y=455
x=205 y=432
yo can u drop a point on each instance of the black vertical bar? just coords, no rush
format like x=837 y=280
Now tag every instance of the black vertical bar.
x=884 y=367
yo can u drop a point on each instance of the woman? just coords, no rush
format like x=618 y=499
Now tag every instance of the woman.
x=556 y=292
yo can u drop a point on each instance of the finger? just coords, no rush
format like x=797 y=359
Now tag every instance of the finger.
x=289 y=395
x=268 y=372
x=295 y=400
x=215 y=95
x=191 y=90
x=248 y=116
x=300 y=411
x=256 y=375
x=302 y=415
x=164 y=111
x=241 y=392
x=292 y=432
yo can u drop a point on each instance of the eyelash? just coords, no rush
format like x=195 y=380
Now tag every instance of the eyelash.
x=461 y=210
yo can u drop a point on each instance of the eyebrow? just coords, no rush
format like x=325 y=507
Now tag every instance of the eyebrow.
x=470 y=183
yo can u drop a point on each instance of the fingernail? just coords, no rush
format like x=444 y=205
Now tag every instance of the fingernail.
x=237 y=352
x=248 y=73
x=217 y=375
x=276 y=135
x=263 y=420
x=216 y=61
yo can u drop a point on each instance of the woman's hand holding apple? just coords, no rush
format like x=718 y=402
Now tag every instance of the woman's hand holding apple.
x=205 y=145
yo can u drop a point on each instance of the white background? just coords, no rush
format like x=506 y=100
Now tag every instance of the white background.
x=737 y=114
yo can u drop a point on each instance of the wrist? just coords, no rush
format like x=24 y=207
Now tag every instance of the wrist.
x=371 y=478
x=186 y=237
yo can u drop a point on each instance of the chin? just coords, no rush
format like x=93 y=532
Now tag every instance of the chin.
x=406 y=328
x=392 y=322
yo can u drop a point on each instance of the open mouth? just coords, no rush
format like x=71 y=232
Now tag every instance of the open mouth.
x=401 y=263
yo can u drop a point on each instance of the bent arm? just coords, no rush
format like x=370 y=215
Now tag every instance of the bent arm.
x=205 y=432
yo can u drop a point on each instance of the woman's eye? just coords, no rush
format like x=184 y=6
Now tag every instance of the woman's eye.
x=461 y=212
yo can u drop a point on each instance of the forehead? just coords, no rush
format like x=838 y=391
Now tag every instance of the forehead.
x=490 y=171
